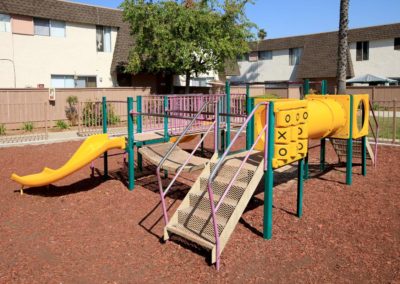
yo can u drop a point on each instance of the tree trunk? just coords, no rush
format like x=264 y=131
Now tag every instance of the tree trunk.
x=187 y=85
x=342 y=47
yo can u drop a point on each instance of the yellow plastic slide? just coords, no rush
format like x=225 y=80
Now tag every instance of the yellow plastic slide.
x=92 y=148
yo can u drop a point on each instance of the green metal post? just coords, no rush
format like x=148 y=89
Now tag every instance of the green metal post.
x=306 y=168
x=130 y=150
x=324 y=87
x=322 y=152
x=228 y=112
x=364 y=156
x=300 y=186
x=139 y=129
x=252 y=123
x=306 y=87
x=166 y=133
x=349 y=159
x=248 y=110
x=105 y=155
x=269 y=176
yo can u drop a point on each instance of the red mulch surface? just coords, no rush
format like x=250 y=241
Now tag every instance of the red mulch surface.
x=89 y=230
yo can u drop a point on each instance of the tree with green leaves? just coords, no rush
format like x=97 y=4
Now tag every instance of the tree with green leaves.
x=262 y=34
x=187 y=37
x=343 y=47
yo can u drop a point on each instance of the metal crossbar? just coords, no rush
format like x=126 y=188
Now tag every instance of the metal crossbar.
x=185 y=131
x=214 y=208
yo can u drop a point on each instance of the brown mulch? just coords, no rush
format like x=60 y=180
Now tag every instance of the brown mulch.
x=89 y=230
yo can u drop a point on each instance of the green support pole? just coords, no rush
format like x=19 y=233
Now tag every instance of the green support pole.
x=269 y=176
x=166 y=133
x=364 y=156
x=306 y=87
x=248 y=110
x=322 y=154
x=139 y=129
x=105 y=155
x=300 y=186
x=306 y=168
x=324 y=87
x=228 y=112
x=129 y=150
x=349 y=159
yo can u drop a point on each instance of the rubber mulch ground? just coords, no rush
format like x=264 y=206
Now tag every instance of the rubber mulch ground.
x=87 y=230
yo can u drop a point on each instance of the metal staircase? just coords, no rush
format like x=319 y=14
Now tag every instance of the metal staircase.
x=210 y=211
x=193 y=219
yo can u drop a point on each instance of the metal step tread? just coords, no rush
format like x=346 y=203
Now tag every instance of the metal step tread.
x=185 y=233
x=202 y=201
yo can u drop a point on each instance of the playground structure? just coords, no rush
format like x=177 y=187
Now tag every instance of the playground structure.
x=277 y=133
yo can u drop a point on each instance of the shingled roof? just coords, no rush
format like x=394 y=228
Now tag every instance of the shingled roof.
x=76 y=13
x=320 y=50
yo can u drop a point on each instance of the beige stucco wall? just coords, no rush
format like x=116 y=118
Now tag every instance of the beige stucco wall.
x=36 y=57
x=383 y=59
x=275 y=69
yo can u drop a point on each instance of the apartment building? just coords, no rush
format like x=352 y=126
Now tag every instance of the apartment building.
x=372 y=50
x=60 y=44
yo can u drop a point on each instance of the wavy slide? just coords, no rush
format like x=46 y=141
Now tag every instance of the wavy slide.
x=90 y=149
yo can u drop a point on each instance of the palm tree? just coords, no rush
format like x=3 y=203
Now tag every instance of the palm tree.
x=262 y=34
x=343 y=47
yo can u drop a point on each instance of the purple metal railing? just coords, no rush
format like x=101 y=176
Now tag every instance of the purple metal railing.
x=163 y=192
x=214 y=208
x=374 y=134
x=179 y=103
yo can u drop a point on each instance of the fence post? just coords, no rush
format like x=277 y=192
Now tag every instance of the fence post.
x=105 y=155
x=46 y=120
x=394 y=121
x=248 y=110
x=79 y=118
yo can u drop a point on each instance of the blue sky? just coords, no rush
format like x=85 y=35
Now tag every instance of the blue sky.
x=282 y=18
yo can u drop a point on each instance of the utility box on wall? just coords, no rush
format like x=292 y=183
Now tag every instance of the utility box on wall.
x=52 y=94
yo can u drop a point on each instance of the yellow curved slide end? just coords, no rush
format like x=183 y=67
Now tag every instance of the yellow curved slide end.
x=92 y=148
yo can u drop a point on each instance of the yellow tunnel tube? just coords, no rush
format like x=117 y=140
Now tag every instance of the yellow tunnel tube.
x=325 y=117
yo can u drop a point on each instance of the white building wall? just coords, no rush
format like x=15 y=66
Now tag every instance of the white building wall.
x=275 y=69
x=383 y=59
x=36 y=57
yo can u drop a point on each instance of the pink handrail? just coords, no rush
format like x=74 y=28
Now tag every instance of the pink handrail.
x=162 y=192
x=375 y=134
x=219 y=164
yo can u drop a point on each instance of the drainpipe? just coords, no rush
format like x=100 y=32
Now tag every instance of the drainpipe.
x=13 y=64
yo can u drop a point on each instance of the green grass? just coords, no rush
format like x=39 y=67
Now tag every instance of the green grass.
x=2 y=129
x=61 y=124
x=386 y=128
x=28 y=126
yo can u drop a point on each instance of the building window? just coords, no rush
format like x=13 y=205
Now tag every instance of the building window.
x=57 y=28
x=103 y=39
x=294 y=56
x=71 y=81
x=265 y=55
x=362 y=50
x=45 y=27
x=397 y=43
x=86 y=82
x=5 y=23
x=243 y=57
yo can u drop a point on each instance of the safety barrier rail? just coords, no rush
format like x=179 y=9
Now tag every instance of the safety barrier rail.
x=198 y=116
x=214 y=208
x=375 y=133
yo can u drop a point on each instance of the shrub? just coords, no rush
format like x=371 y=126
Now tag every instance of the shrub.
x=28 y=126
x=61 y=124
x=2 y=129
x=92 y=114
x=71 y=110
